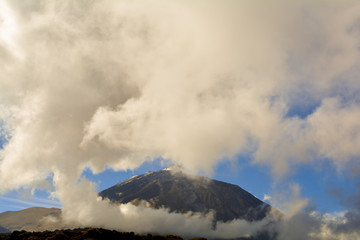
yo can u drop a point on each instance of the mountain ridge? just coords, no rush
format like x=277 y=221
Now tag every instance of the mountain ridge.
x=32 y=219
x=182 y=192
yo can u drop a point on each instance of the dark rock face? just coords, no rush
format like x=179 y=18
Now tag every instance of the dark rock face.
x=85 y=233
x=182 y=192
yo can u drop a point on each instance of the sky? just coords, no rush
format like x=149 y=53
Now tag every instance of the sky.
x=262 y=94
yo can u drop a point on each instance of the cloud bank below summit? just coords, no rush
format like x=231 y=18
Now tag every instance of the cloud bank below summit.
x=96 y=84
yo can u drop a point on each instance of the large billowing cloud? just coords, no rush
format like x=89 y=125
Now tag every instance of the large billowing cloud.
x=115 y=83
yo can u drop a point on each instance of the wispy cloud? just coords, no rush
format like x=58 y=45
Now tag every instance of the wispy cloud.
x=34 y=202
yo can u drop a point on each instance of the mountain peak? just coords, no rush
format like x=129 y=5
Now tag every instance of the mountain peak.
x=178 y=192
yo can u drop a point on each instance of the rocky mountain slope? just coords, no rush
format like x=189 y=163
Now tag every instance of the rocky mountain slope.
x=181 y=192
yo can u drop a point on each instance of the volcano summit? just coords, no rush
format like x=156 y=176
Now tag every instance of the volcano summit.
x=181 y=192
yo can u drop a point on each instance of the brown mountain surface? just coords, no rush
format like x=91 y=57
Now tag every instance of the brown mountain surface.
x=32 y=219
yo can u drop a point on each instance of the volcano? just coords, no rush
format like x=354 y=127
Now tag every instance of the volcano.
x=182 y=193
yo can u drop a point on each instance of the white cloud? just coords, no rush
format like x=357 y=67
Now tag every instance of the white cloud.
x=38 y=202
x=267 y=197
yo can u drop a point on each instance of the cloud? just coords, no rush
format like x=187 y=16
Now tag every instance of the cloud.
x=39 y=202
x=349 y=220
x=297 y=221
x=101 y=84
x=267 y=197
x=91 y=210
